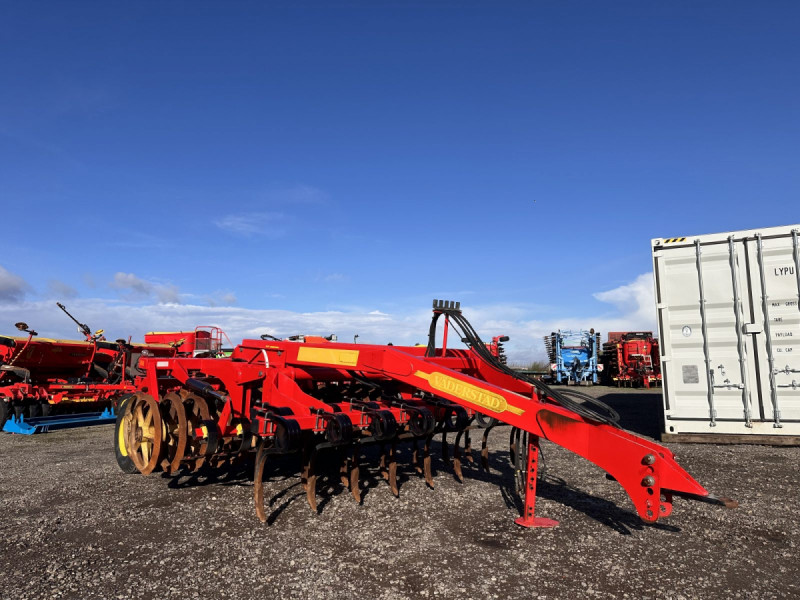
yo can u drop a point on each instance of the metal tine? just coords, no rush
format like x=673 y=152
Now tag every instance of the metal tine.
x=393 y=469
x=258 y=481
x=355 y=472
x=415 y=456
x=304 y=460
x=468 y=447
x=343 y=468
x=513 y=440
x=426 y=461
x=311 y=480
x=384 y=464
x=485 y=448
x=445 y=449
x=457 y=457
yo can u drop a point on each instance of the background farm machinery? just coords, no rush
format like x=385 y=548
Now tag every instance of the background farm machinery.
x=573 y=356
x=276 y=397
x=205 y=341
x=48 y=384
x=631 y=358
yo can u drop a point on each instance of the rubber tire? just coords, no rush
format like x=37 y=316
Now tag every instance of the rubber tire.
x=4 y=412
x=123 y=460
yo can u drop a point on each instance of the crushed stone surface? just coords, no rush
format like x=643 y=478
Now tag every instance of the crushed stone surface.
x=74 y=526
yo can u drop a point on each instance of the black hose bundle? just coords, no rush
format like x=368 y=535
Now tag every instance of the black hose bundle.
x=470 y=337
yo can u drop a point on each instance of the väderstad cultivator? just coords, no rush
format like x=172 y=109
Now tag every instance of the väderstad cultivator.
x=276 y=396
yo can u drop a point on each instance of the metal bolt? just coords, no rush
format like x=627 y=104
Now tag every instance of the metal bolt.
x=649 y=459
x=649 y=481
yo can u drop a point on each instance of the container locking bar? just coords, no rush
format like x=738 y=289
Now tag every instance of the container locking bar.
x=737 y=310
x=704 y=326
x=796 y=256
x=773 y=390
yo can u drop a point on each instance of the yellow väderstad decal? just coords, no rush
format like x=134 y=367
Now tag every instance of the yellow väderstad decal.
x=469 y=392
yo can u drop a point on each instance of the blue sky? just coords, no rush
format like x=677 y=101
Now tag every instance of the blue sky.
x=335 y=166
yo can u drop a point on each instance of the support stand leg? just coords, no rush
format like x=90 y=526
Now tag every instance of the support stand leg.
x=528 y=518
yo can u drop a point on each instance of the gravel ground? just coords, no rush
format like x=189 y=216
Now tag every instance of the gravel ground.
x=74 y=526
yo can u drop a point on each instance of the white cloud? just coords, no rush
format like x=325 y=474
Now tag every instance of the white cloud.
x=271 y=212
x=631 y=309
x=135 y=288
x=12 y=287
x=59 y=289
x=634 y=310
x=635 y=300
x=247 y=224
x=123 y=319
x=218 y=298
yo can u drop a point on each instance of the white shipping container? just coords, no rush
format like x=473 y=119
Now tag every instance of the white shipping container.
x=729 y=328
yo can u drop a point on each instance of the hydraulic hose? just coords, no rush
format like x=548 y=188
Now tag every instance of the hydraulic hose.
x=473 y=340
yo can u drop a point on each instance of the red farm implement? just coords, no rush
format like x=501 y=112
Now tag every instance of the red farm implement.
x=631 y=359
x=276 y=397
x=203 y=341
x=48 y=384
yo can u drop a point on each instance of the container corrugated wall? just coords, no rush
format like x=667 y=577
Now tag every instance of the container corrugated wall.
x=729 y=326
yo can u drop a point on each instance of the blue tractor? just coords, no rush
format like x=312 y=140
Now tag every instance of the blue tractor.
x=573 y=356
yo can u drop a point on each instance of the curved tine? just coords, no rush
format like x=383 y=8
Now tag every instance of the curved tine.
x=513 y=440
x=384 y=464
x=355 y=472
x=485 y=449
x=311 y=480
x=305 y=458
x=457 y=457
x=343 y=469
x=393 y=469
x=521 y=461
x=445 y=449
x=468 y=447
x=426 y=461
x=415 y=456
x=258 y=476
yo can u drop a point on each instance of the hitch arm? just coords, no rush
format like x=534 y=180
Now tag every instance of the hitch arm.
x=647 y=471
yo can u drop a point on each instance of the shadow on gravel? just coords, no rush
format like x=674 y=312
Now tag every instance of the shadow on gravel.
x=238 y=473
x=330 y=485
x=558 y=490
x=640 y=413
x=634 y=409
x=601 y=510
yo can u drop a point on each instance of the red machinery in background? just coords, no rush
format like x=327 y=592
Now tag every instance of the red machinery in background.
x=276 y=397
x=204 y=340
x=631 y=359
x=48 y=384
x=497 y=349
